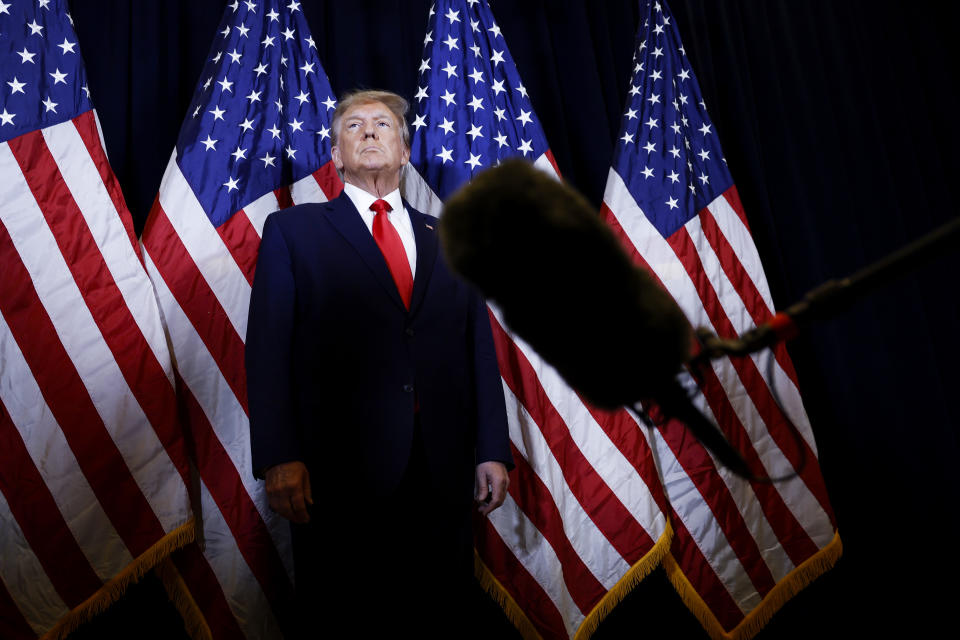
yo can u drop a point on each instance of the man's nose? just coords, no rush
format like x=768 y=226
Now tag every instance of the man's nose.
x=370 y=131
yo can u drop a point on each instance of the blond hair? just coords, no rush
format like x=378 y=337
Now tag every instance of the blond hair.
x=397 y=105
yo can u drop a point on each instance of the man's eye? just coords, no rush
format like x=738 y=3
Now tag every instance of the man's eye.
x=383 y=124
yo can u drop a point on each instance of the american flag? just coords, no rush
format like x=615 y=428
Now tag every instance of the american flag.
x=740 y=549
x=585 y=516
x=256 y=139
x=93 y=463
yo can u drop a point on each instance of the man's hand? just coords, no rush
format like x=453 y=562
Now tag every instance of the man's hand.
x=288 y=489
x=492 y=482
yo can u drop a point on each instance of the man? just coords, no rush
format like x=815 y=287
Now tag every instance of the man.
x=375 y=399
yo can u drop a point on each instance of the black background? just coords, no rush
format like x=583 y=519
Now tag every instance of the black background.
x=839 y=124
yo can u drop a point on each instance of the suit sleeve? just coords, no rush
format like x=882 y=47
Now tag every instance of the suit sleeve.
x=493 y=439
x=270 y=326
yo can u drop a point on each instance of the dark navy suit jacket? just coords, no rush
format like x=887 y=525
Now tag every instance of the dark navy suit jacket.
x=335 y=362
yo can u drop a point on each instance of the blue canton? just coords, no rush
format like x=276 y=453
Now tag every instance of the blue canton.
x=260 y=117
x=44 y=82
x=668 y=153
x=472 y=109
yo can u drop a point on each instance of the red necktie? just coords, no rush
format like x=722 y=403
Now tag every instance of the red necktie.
x=388 y=240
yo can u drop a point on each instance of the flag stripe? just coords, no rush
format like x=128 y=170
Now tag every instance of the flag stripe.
x=13 y=626
x=67 y=397
x=207 y=593
x=31 y=503
x=194 y=295
x=120 y=330
x=604 y=507
x=243 y=242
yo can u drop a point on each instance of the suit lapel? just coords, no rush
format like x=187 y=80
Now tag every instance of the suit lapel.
x=345 y=218
x=426 y=253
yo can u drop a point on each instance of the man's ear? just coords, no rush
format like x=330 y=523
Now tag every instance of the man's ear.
x=335 y=155
x=405 y=156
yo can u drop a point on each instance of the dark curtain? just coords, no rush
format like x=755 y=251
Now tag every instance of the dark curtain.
x=839 y=124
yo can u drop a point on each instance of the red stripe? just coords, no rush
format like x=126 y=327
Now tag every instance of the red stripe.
x=68 y=399
x=532 y=495
x=284 y=199
x=329 y=180
x=207 y=593
x=197 y=299
x=121 y=333
x=696 y=568
x=13 y=626
x=243 y=242
x=733 y=198
x=523 y=587
x=226 y=487
x=553 y=161
x=39 y=517
x=701 y=471
x=791 y=444
x=613 y=519
x=753 y=302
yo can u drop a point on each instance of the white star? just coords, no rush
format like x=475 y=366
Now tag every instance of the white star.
x=476 y=76
x=273 y=15
x=324 y=133
x=246 y=125
x=227 y=86
x=704 y=155
x=658 y=29
x=476 y=103
x=499 y=113
x=705 y=129
x=303 y=97
x=684 y=75
x=421 y=94
x=474 y=162
x=444 y=155
x=475 y=25
x=674 y=177
x=654 y=99
x=43 y=4
x=672 y=203
x=235 y=56
x=296 y=125
x=498 y=87
x=234 y=6
x=243 y=31
x=230 y=184
x=627 y=138
x=650 y=147
x=267 y=42
x=274 y=131
x=448 y=97
x=525 y=146
x=447 y=126
x=251 y=6
x=4 y=8
x=655 y=75
x=631 y=114
x=704 y=178
x=522 y=91
x=634 y=90
x=647 y=172
x=254 y=96
x=288 y=34
x=329 y=103
x=50 y=105
x=524 y=117
x=35 y=28
x=495 y=30
x=657 y=52
x=475 y=132
x=419 y=121
x=217 y=113
x=291 y=152
x=207 y=83
x=497 y=57
x=25 y=56
x=501 y=140
x=307 y=68
x=16 y=86
x=425 y=65
x=293 y=6
x=67 y=46
x=209 y=143
x=261 y=69
x=452 y=15
x=693 y=189
x=683 y=99
x=427 y=39
x=651 y=123
x=86 y=92
x=676 y=128
x=310 y=43
x=225 y=32
x=6 y=118
x=239 y=154
x=216 y=58
x=450 y=70
x=476 y=50
x=451 y=43
x=279 y=105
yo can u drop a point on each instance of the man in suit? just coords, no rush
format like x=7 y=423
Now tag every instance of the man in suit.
x=376 y=408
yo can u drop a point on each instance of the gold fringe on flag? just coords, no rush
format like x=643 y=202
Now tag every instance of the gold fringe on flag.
x=502 y=597
x=792 y=584
x=183 y=602
x=116 y=586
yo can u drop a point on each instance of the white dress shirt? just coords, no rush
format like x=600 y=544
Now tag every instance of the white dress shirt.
x=398 y=216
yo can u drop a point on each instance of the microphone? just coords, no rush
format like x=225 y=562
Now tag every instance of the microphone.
x=565 y=284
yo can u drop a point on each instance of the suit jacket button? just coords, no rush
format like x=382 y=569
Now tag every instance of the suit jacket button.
x=408 y=388
x=409 y=332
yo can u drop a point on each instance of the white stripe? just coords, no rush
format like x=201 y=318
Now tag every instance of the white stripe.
x=742 y=243
x=104 y=221
x=543 y=163
x=603 y=455
x=34 y=594
x=258 y=210
x=244 y=594
x=536 y=555
x=54 y=460
x=204 y=244
x=418 y=193
x=787 y=395
x=593 y=548
x=229 y=421
x=306 y=189
x=119 y=409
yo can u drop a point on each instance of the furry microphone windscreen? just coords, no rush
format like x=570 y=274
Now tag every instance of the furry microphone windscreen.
x=564 y=283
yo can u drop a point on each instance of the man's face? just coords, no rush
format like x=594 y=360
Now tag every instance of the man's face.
x=369 y=141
